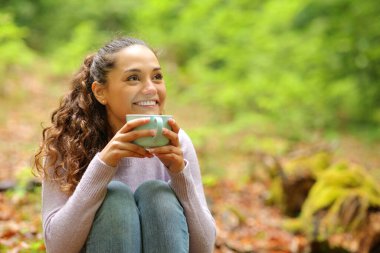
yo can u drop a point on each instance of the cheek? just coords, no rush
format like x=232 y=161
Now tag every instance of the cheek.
x=122 y=103
x=127 y=102
x=162 y=92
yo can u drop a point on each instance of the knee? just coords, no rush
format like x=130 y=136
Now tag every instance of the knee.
x=156 y=194
x=118 y=203
x=117 y=186
x=153 y=189
x=117 y=193
x=116 y=224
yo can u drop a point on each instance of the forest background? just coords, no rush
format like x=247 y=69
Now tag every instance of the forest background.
x=247 y=79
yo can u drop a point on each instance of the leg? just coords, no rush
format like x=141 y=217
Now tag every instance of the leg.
x=163 y=223
x=116 y=227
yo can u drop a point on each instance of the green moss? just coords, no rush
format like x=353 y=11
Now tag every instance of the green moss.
x=343 y=192
x=315 y=164
x=303 y=166
x=276 y=195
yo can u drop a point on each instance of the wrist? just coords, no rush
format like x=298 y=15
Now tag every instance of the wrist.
x=106 y=160
x=177 y=169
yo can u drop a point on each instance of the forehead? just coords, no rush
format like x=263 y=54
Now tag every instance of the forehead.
x=136 y=55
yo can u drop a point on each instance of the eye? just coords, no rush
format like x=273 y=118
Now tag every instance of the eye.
x=133 y=78
x=158 y=76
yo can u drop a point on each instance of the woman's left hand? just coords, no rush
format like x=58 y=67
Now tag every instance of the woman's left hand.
x=171 y=155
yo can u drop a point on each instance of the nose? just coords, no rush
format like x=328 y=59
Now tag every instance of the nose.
x=149 y=88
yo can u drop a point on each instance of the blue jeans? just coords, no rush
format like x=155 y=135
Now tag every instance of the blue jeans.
x=150 y=220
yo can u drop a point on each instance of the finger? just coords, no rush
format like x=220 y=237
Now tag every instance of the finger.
x=165 y=150
x=128 y=153
x=136 y=134
x=128 y=126
x=171 y=160
x=168 y=158
x=132 y=154
x=174 y=125
x=134 y=149
x=140 y=150
x=172 y=136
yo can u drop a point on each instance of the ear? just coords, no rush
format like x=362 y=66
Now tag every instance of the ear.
x=99 y=92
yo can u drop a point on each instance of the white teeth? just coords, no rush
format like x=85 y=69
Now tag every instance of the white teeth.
x=146 y=103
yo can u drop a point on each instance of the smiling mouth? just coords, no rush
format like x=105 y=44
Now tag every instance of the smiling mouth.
x=147 y=103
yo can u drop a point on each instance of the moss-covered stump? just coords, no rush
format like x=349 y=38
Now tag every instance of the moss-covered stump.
x=295 y=190
x=342 y=209
x=292 y=180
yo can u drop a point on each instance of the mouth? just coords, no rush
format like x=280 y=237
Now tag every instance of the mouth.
x=147 y=103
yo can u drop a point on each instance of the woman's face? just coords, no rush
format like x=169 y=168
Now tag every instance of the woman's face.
x=134 y=86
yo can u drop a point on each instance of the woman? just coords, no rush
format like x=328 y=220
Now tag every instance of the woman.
x=103 y=193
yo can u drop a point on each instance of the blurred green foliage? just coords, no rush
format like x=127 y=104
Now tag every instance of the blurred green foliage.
x=13 y=50
x=301 y=65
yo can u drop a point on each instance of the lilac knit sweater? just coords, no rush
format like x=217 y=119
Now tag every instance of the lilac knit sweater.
x=67 y=220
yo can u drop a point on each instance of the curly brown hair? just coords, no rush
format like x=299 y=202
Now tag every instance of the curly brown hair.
x=79 y=126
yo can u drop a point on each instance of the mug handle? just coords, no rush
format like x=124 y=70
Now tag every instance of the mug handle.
x=159 y=125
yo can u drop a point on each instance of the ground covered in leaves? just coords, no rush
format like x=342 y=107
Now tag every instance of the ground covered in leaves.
x=245 y=223
x=20 y=222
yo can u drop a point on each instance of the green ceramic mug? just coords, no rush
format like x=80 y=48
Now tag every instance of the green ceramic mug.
x=157 y=122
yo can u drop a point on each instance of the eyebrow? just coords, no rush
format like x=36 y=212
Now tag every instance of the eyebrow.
x=138 y=70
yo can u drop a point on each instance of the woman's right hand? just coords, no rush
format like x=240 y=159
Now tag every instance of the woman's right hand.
x=121 y=144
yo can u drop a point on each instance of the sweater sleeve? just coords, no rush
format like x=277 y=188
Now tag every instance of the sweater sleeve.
x=188 y=187
x=66 y=219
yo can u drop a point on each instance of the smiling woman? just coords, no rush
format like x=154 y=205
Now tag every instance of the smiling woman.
x=102 y=192
x=134 y=86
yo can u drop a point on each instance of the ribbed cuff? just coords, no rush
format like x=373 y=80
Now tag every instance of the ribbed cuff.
x=182 y=183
